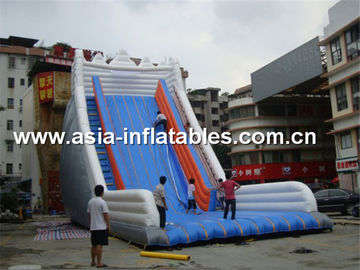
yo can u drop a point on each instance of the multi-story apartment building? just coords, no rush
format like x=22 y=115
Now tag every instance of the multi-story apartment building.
x=342 y=41
x=285 y=97
x=287 y=115
x=17 y=56
x=210 y=108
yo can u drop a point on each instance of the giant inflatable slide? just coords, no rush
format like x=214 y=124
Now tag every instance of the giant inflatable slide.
x=121 y=97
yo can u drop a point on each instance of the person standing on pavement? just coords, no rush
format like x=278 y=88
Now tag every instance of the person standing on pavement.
x=221 y=195
x=99 y=226
x=159 y=196
x=230 y=186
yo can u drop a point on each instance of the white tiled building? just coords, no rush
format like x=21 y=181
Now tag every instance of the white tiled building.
x=209 y=108
x=342 y=41
x=17 y=56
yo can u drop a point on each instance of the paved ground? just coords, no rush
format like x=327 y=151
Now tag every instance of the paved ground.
x=332 y=250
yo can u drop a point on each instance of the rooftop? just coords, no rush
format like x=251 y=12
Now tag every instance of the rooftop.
x=18 y=41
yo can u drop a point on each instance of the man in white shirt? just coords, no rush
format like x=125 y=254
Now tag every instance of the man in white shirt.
x=159 y=196
x=99 y=225
x=160 y=120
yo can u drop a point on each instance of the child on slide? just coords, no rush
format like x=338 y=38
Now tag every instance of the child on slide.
x=191 y=196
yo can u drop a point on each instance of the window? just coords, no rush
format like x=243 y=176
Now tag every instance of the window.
x=215 y=123
x=224 y=118
x=10 y=124
x=9 y=168
x=241 y=112
x=20 y=102
x=29 y=82
x=296 y=155
x=22 y=81
x=10 y=146
x=214 y=96
x=341 y=98
x=336 y=193
x=335 y=51
x=223 y=105
x=11 y=82
x=198 y=117
x=10 y=103
x=214 y=110
x=272 y=110
x=31 y=62
x=20 y=123
x=23 y=60
x=355 y=92
x=321 y=194
x=197 y=104
x=291 y=110
x=352 y=41
x=345 y=139
x=11 y=62
x=267 y=157
x=19 y=166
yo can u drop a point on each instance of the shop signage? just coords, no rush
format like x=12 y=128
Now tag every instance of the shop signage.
x=349 y=164
x=284 y=170
x=46 y=86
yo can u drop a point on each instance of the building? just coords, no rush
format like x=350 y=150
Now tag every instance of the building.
x=209 y=108
x=292 y=100
x=17 y=56
x=342 y=41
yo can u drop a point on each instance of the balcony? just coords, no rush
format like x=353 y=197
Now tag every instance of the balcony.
x=240 y=102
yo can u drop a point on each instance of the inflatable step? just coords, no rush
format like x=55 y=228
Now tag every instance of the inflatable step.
x=94 y=121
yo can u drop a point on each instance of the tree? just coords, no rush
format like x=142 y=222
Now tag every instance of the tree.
x=9 y=201
x=221 y=152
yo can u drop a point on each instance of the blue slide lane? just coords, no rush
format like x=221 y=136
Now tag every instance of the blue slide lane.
x=141 y=165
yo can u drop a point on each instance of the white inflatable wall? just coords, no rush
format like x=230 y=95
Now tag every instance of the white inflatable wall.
x=282 y=196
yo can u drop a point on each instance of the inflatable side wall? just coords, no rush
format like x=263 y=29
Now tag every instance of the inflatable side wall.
x=283 y=196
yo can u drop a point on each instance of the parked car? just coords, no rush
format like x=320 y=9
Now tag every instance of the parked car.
x=334 y=200
x=356 y=210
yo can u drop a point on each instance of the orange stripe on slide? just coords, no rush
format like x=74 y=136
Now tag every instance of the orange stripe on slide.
x=115 y=170
x=200 y=196
x=185 y=157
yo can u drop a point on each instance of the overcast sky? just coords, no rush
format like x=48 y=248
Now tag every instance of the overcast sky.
x=219 y=42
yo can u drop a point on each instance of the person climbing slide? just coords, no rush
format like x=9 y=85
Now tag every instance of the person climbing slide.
x=160 y=120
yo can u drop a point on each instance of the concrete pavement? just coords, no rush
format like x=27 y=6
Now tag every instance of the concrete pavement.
x=331 y=250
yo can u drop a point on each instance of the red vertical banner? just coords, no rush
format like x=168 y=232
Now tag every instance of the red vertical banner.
x=46 y=86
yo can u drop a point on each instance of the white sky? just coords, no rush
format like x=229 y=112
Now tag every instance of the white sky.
x=219 y=42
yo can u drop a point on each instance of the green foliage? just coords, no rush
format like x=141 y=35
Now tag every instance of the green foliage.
x=221 y=152
x=9 y=201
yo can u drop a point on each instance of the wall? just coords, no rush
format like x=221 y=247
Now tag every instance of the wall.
x=30 y=159
x=49 y=117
